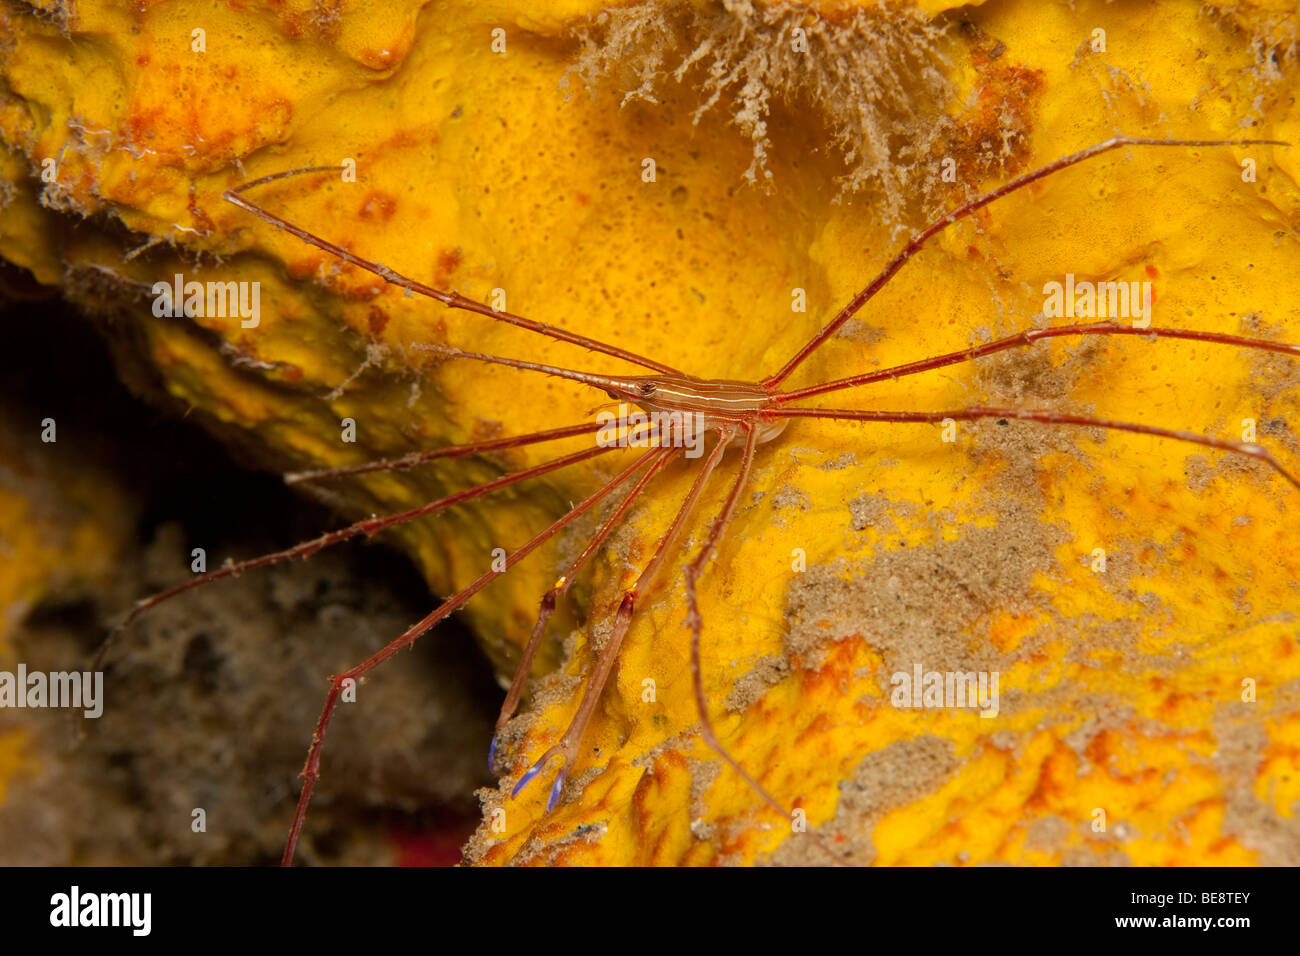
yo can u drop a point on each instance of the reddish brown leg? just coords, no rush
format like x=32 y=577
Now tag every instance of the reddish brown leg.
x=1028 y=337
x=311 y=771
x=453 y=300
x=557 y=591
x=917 y=241
x=567 y=746
x=451 y=451
x=695 y=621
x=1257 y=452
x=368 y=527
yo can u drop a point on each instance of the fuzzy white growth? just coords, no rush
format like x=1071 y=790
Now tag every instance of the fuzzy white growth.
x=872 y=75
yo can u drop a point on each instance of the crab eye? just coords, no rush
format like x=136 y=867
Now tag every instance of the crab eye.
x=647 y=389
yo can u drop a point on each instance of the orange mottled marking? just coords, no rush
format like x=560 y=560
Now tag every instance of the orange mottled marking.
x=378 y=206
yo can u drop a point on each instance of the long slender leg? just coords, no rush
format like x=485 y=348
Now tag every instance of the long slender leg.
x=368 y=527
x=453 y=300
x=1258 y=452
x=451 y=451
x=917 y=241
x=567 y=746
x=311 y=771
x=695 y=621
x=1028 y=337
x=558 y=590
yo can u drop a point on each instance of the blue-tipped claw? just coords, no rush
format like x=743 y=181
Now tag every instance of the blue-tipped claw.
x=534 y=770
x=555 y=790
x=527 y=778
x=492 y=753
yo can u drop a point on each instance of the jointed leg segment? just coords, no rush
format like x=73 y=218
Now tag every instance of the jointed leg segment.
x=1047 y=417
x=567 y=746
x=558 y=590
x=915 y=244
x=453 y=300
x=368 y=527
x=1028 y=337
x=311 y=771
